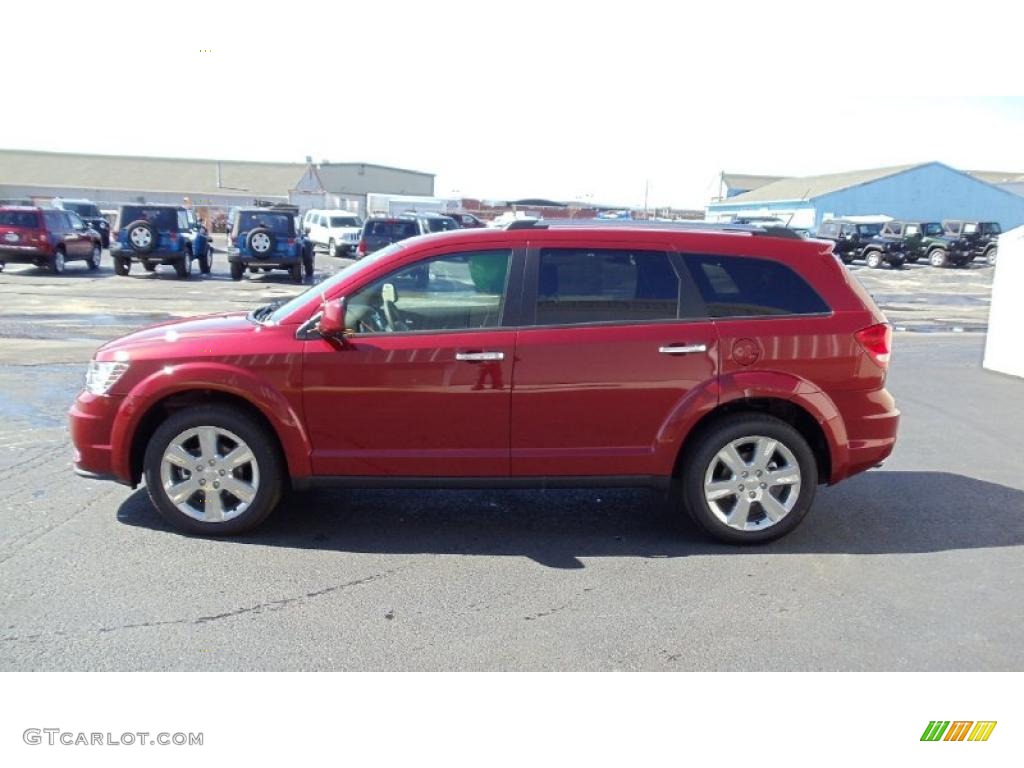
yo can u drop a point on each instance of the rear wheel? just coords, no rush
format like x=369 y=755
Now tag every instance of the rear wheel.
x=206 y=261
x=213 y=470
x=95 y=256
x=990 y=256
x=183 y=266
x=748 y=479
x=237 y=270
x=938 y=258
x=332 y=248
x=296 y=272
x=149 y=266
x=57 y=265
x=307 y=262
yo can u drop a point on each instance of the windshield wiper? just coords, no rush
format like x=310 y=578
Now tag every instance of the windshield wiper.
x=262 y=313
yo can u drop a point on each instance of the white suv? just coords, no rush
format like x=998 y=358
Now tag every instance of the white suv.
x=337 y=231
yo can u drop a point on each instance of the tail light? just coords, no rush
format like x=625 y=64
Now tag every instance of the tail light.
x=291 y=241
x=877 y=342
x=361 y=248
x=43 y=237
x=172 y=236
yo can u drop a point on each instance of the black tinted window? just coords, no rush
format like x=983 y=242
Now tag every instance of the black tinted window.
x=82 y=209
x=734 y=286
x=441 y=224
x=278 y=223
x=22 y=219
x=55 y=220
x=396 y=230
x=165 y=219
x=593 y=286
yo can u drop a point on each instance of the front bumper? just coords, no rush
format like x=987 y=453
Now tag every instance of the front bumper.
x=90 y=424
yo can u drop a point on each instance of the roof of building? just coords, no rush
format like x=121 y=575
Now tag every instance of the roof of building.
x=747 y=181
x=998 y=177
x=155 y=174
x=809 y=187
x=338 y=176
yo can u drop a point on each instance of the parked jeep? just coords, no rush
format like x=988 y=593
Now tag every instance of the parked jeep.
x=89 y=212
x=925 y=240
x=266 y=239
x=859 y=240
x=152 y=235
x=978 y=238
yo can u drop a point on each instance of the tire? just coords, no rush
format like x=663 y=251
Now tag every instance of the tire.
x=873 y=259
x=149 y=266
x=938 y=257
x=332 y=248
x=296 y=271
x=57 y=264
x=94 y=258
x=990 y=256
x=183 y=266
x=209 y=433
x=791 y=458
x=122 y=266
x=307 y=263
x=237 y=270
x=897 y=263
x=912 y=259
x=142 y=236
x=261 y=242
x=206 y=261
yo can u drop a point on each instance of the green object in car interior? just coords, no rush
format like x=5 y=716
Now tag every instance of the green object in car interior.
x=488 y=271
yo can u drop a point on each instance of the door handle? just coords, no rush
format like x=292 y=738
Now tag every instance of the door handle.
x=682 y=349
x=479 y=357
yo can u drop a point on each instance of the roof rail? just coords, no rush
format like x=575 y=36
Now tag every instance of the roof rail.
x=783 y=232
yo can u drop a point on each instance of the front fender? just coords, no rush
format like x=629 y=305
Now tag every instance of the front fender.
x=218 y=377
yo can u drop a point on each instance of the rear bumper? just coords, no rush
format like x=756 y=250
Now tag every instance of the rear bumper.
x=90 y=424
x=870 y=421
x=23 y=254
x=274 y=261
x=159 y=256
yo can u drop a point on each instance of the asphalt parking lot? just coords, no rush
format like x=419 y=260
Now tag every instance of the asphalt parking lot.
x=916 y=566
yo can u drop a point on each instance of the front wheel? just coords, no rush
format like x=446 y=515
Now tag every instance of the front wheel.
x=748 y=479
x=938 y=257
x=95 y=256
x=122 y=266
x=183 y=266
x=206 y=261
x=296 y=272
x=307 y=262
x=990 y=256
x=213 y=470
x=332 y=248
x=874 y=259
x=237 y=270
x=57 y=265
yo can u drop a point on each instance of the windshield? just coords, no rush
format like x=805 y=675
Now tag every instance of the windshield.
x=82 y=209
x=325 y=286
x=22 y=219
x=991 y=228
x=441 y=224
x=869 y=230
x=165 y=219
x=345 y=221
x=933 y=229
x=278 y=223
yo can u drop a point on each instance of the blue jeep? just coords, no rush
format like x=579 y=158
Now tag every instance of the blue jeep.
x=160 y=234
x=266 y=239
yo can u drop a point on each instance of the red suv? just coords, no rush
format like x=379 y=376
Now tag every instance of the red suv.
x=742 y=368
x=47 y=238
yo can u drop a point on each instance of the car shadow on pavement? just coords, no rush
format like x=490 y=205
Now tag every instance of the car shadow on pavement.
x=876 y=513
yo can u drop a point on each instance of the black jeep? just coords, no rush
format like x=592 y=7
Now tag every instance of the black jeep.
x=977 y=238
x=88 y=212
x=926 y=240
x=858 y=240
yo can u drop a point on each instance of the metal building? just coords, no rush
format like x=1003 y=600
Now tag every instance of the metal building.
x=929 y=191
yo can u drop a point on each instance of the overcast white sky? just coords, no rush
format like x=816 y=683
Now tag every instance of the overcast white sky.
x=560 y=100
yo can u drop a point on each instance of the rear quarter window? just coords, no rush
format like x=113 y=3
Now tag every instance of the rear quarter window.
x=739 y=286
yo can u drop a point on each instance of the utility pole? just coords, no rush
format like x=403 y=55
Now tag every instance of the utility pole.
x=647 y=187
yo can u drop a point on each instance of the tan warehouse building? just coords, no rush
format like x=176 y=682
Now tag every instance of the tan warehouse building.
x=213 y=184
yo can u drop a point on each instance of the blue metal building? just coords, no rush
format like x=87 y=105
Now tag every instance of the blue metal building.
x=927 y=191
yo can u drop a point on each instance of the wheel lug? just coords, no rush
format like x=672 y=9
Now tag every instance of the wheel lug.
x=199 y=468
x=744 y=474
x=222 y=473
x=212 y=462
x=753 y=495
x=759 y=473
x=216 y=484
x=741 y=487
x=202 y=481
x=764 y=485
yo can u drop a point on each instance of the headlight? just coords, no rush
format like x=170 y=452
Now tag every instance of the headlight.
x=102 y=376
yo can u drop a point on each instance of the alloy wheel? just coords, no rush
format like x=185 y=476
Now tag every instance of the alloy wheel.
x=752 y=483
x=209 y=474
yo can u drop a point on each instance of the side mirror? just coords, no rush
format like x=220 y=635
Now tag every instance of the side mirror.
x=332 y=321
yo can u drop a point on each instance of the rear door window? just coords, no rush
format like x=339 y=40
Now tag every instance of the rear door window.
x=20 y=219
x=738 y=286
x=585 y=285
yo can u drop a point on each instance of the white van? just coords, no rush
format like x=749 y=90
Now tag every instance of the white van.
x=337 y=230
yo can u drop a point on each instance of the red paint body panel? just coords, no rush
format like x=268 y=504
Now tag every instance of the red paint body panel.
x=580 y=400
